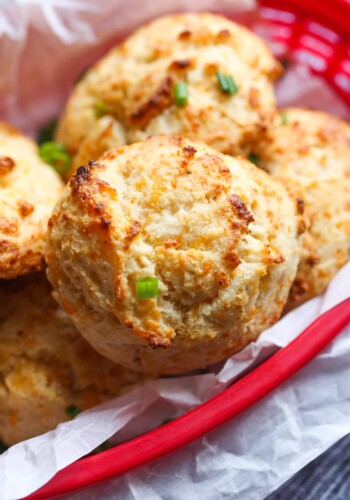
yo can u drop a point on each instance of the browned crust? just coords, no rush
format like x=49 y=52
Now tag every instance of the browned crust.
x=90 y=191
x=223 y=35
x=299 y=291
x=156 y=341
x=189 y=151
x=241 y=209
x=105 y=223
x=100 y=208
x=153 y=339
x=82 y=176
x=300 y=206
x=313 y=260
x=276 y=259
x=253 y=98
x=81 y=184
x=132 y=231
x=9 y=226
x=185 y=35
x=7 y=164
x=15 y=261
x=302 y=225
x=161 y=99
x=95 y=164
x=232 y=258
x=221 y=278
x=85 y=187
x=25 y=208
x=180 y=65
x=171 y=244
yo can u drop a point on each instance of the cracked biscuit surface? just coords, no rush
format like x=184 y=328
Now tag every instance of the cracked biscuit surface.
x=308 y=151
x=129 y=94
x=29 y=190
x=45 y=364
x=219 y=235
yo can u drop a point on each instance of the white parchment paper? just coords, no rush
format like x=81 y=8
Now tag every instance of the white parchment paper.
x=44 y=45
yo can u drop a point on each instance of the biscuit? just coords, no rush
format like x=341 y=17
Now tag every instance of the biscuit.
x=218 y=234
x=134 y=86
x=308 y=151
x=29 y=190
x=46 y=367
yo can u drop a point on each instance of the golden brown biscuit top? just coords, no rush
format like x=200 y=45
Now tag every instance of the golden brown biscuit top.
x=43 y=356
x=134 y=86
x=309 y=152
x=202 y=223
x=28 y=191
x=298 y=134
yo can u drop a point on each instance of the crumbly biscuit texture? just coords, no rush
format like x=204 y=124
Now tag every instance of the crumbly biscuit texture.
x=29 y=190
x=308 y=152
x=219 y=234
x=134 y=84
x=45 y=364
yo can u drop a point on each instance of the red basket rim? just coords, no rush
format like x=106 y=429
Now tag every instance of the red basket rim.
x=241 y=395
x=336 y=12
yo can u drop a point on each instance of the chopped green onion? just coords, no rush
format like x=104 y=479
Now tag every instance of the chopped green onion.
x=227 y=83
x=253 y=158
x=180 y=94
x=47 y=132
x=232 y=87
x=103 y=446
x=55 y=155
x=284 y=118
x=222 y=81
x=100 y=108
x=72 y=411
x=147 y=288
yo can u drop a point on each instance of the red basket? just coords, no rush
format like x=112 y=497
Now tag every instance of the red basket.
x=315 y=33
